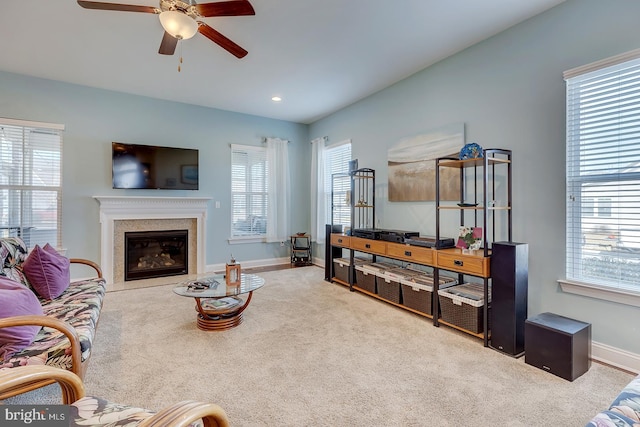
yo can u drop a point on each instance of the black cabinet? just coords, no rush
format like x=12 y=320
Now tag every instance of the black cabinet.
x=510 y=277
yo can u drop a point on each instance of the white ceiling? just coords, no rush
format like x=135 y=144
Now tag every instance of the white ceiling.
x=319 y=56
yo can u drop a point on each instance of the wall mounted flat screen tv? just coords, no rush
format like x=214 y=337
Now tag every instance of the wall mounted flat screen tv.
x=149 y=166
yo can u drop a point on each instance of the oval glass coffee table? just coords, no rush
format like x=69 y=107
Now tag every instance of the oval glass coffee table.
x=218 y=305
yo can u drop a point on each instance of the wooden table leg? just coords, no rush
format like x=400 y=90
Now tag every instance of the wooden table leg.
x=220 y=321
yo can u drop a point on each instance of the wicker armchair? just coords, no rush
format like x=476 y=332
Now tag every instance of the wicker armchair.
x=93 y=411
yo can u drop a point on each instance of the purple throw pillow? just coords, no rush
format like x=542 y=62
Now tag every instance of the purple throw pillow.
x=47 y=247
x=17 y=300
x=47 y=271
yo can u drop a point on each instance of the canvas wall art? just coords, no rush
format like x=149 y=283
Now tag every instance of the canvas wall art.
x=411 y=165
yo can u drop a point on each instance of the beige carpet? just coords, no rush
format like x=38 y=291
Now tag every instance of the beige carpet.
x=311 y=353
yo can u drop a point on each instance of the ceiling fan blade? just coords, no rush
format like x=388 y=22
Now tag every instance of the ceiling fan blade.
x=117 y=6
x=168 y=44
x=218 y=38
x=226 y=8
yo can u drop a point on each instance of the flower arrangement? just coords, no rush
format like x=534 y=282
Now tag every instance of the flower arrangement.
x=469 y=238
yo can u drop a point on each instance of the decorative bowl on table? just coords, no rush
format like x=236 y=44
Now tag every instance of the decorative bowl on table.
x=301 y=234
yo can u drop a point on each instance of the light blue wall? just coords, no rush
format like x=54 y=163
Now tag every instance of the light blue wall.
x=510 y=93
x=93 y=118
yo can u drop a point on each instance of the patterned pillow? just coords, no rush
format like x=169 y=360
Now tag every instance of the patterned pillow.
x=13 y=252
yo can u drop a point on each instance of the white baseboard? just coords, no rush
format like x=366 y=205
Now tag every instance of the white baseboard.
x=252 y=264
x=262 y=263
x=615 y=357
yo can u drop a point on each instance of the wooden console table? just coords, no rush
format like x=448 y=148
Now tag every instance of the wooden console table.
x=474 y=263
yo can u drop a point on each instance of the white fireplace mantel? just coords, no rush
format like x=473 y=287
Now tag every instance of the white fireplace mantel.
x=116 y=208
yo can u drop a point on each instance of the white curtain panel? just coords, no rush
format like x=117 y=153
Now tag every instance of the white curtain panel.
x=318 y=199
x=278 y=207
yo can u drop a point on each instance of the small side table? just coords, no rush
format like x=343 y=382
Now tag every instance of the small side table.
x=300 y=249
x=558 y=344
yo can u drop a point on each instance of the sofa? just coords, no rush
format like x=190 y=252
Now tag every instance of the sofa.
x=45 y=318
x=624 y=411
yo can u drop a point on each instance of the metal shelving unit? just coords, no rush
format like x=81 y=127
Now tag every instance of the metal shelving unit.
x=363 y=198
x=353 y=197
x=300 y=250
x=482 y=197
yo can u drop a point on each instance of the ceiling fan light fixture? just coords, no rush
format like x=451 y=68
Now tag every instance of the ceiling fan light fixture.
x=178 y=24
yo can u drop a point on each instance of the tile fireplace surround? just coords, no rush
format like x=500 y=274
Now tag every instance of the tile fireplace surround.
x=121 y=214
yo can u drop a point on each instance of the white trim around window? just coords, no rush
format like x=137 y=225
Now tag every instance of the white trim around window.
x=603 y=180
x=249 y=193
x=600 y=292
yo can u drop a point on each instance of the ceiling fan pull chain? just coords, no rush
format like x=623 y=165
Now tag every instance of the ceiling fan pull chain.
x=180 y=61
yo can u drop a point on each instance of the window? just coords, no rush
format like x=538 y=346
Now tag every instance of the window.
x=249 y=171
x=603 y=174
x=337 y=159
x=604 y=207
x=588 y=206
x=30 y=181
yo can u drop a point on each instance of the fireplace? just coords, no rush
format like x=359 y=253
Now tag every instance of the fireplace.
x=150 y=254
x=120 y=214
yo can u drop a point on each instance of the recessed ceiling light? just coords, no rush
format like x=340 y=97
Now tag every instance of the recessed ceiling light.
x=276 y=99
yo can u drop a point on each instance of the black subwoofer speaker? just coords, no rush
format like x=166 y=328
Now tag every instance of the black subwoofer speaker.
x=509 y=288
x=558 y=344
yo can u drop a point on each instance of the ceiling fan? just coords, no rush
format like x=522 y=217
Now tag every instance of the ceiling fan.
x=180 y=20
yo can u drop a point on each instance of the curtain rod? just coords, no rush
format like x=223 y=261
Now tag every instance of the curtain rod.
x=264 y=140
x=324 y=139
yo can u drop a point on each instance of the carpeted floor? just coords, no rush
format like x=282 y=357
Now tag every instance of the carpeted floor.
x=311 y=353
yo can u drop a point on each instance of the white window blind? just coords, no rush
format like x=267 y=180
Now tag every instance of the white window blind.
x=337 y=159
x=31 y=181
x=249 y=171
x=603 y=175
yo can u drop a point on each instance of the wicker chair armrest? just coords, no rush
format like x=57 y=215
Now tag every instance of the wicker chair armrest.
x=92 y=264
x=51 y=322
x=183 y=413
x=27 y=378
